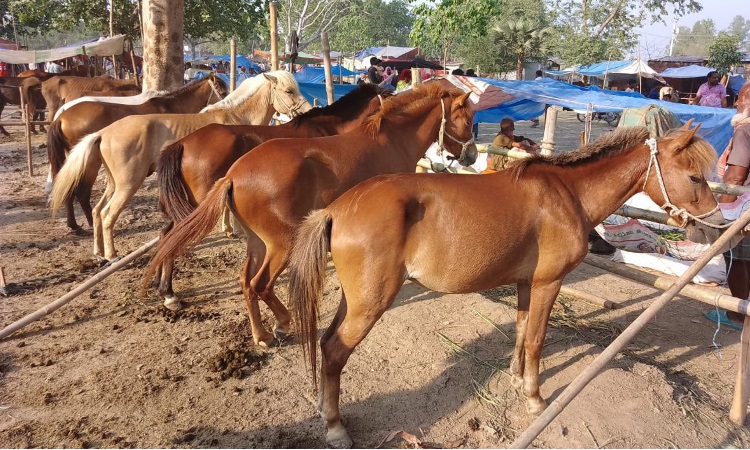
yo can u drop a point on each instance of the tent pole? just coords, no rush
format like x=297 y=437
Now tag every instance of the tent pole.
x=640 y=79
x=606 y=72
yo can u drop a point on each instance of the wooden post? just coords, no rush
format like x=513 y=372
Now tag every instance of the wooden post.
x=17 y=325
x=574 y=388
x=27 y=128
x=88 y=61
x=416 y=77
x=135 y=69
x=327 y=66
x=232 y=65
x=3 y=284
x=550 y=126
x=274 y=36
x=738 y=412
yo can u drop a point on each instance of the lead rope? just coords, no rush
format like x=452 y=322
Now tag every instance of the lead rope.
x=290 y=111
x=214 y=90
x=674 y=211
x=442 y=134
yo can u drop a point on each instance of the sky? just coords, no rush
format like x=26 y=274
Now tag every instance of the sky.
x=656 y=37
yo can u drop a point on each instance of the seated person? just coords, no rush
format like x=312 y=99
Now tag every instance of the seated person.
x=506 y=139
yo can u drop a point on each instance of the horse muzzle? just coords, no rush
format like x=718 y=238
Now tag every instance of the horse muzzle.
x=705 y=234
x=469 y=155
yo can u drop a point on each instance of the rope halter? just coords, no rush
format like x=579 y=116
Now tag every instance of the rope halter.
x=214 y=91
x=291 y=111
x=673 y=210
x=442 y=134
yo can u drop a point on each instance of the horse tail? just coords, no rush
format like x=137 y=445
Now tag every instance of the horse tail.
x=57 y=145
x=191 y=230
x=174 y=199
x=85 y=153
x=307 y=269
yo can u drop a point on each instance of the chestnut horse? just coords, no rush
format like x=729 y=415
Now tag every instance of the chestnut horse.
x=78 y=71
x=11 y=95
x=84 y=118
x=129 y=147
x=393 y=228
x=56 y=89
x=272 y=188
x=187 y=170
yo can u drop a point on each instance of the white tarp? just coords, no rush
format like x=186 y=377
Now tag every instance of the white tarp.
x=102 y=47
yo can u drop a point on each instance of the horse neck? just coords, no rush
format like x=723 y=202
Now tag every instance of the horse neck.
x=413 y=135
x=604 y=185
x=193 y=100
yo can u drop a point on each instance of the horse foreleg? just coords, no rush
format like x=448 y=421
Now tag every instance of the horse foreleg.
x=70 y=215
x=122 y=195
x=517 y=363
x=542 y=298
x=164 y=277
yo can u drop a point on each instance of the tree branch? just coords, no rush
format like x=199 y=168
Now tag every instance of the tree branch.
x=609 y=19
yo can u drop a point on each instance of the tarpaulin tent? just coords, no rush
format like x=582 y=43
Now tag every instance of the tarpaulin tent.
x=610 y=68
x=100 y=47
x=309 y=74
x=691 y=71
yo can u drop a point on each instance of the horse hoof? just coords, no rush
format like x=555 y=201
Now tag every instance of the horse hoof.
x=337 y=438
x=535 y=406
x=172 y=303
x=108 y=262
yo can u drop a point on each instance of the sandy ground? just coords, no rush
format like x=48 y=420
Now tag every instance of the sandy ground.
x=112 y=369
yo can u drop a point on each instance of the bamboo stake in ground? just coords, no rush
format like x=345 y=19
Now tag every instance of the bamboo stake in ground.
x=630 y=332
x=17 y=325
x=274 y=35
x=25 y=117
x=327 y=66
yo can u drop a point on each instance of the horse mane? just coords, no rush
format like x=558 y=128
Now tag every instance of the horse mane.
x=700 y=153
x=398 y=106
x=249 y=87
x=195 y=84
x=341 y=107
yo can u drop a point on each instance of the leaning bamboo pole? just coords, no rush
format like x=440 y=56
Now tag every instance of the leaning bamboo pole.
x=17 y=325
x=741 y=389
x=274 y=35
x=327 y=66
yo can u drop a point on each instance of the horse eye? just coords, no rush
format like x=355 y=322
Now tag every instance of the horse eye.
x=696 y=179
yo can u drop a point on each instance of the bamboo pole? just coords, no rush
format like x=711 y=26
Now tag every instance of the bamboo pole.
x=550 y=126
x=549 y=414
x=232 y=65
x=135 y=69
x=327 y=66
x=27 y=128
x=17 y=325
x=416 y=77
x=274 y=35
x=588 y=297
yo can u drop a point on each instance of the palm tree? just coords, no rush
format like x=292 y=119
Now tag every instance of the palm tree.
x=520 y=40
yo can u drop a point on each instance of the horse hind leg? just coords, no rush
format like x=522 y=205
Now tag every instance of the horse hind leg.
x=542 y=299
x=517 y=363
x=226 y=222
x=276 y=260
x=256 y=251
x=97 y=219
x=163 y=278
x=122 y=195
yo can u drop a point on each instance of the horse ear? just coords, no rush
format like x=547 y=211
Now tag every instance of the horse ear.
x=682 y=140
x=270 y=78
x=461 y=100
x=686 y=127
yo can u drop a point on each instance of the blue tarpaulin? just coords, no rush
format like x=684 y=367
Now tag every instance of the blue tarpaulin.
x=599 y=69
x=310 y=74
x=715 y=128
x=691 y=71
x=318 y=90
x=735 y=83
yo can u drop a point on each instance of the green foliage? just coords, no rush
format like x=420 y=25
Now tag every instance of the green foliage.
x=520 y=40
x=373 y=23
x=39 y=17
x=224 y=19
x=740 y=27
x=723 y=54
x=695 y=41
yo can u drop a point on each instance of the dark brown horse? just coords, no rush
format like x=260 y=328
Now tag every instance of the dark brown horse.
x=56 y=89
x=393 y=228
x=188 y=169
x=79 y=71
x=89 y=117
x=13 y=89
x=272 y=188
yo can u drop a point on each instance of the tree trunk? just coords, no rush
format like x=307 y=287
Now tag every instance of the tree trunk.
x=519 y=69
x=162 y=47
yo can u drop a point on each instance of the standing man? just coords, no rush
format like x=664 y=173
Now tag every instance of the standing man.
x=736 y=171
x=712 y=93
x=375 y=72
x=539 y=76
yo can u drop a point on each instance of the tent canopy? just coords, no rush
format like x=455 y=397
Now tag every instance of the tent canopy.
x=309 y=74
x=100 y=47
x=240 y=59
x=609 y=67
x=691 y=71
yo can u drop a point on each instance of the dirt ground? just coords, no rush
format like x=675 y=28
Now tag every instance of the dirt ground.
x=112 y=369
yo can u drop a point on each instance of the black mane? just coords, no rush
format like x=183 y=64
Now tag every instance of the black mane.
x=342 y=107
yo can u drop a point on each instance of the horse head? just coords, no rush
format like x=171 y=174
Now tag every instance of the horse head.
x=285 y=95
x=679 y=164
x=218 y=88
x=456 y=135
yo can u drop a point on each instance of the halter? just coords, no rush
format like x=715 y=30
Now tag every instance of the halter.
x=214 y=91
x=674 y=211
x=442 y=134
x=291 y=111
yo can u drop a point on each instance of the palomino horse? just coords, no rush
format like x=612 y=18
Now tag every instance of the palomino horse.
x=393 y=228
x=56 y=89
x=129 y=147
x=187 y=170
x=11 y=95
x=83 y=118
x=272 y=188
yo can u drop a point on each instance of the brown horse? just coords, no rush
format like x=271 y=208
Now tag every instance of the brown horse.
x=187 y=170
x=393 y=228
x=130 y=147
x=120 y=91
x=56 y=89
x=11 y=95
x=89 y=117
x=272 y=188
x=79 y=71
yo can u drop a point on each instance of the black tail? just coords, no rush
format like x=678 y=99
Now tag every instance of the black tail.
x=57 y=147
x=174 y=199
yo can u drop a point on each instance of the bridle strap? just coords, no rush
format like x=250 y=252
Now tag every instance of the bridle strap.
x=668 y=206
x=213 y=90
x=291 y=111
x=442 y=134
